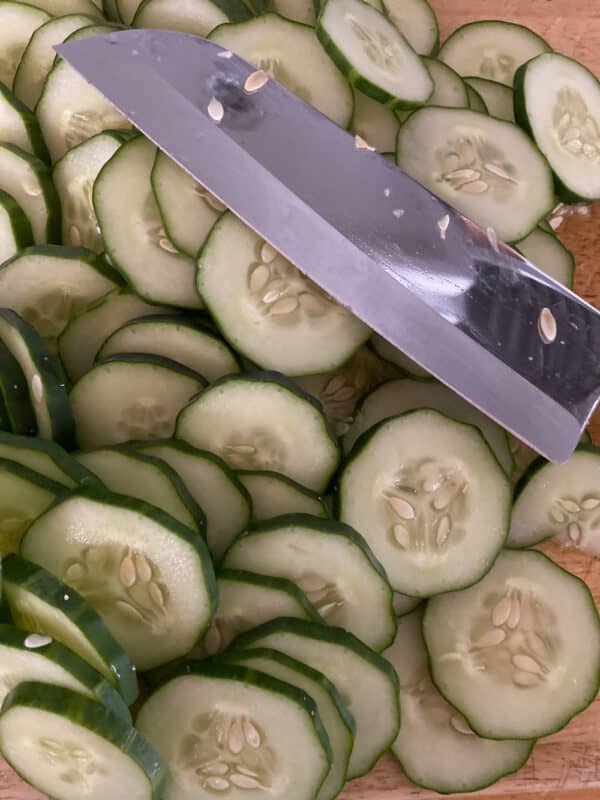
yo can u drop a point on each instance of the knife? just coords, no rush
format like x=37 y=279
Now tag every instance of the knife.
x=471 y=311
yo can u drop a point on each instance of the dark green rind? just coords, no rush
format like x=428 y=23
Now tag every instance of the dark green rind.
x=31 y=476
x=270 y=582
x=52 y=377
x=94 y=717
x=110 y=9
x=32 y=128
x=476 y=101
x=81 y=254
x=289 y=482
x=152 y=361
x=15 y=394
x=73 y=470
x=13 y=637
x=42 y=584
x=234 y=10
x=21 y=227
x=4 y=420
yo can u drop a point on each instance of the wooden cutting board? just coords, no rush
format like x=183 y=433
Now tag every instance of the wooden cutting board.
x=565 y=766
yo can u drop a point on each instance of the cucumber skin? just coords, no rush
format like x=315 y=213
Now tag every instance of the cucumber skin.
x=28 y=474
x=96 y=718
x=21 y=227
x=319 y=497
x=61 y=458
x=15 y=395
x=29 y=121
x=95 y=261
x=234 y=10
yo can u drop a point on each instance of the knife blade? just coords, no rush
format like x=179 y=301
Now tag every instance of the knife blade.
x=469 y=310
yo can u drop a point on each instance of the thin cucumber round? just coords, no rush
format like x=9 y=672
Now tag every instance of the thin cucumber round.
x=519 y=652
x=260 y=421
x=372 y=54
x=127 y=9
x=60 y=8
x=331 y=564
x=18 y=21
x=131 y=397
x=416 y=20
x=374 y=122
x=449 y=89
x=111 y=10
x=548 y=253
x=487 y=168
x=190 y=16
x=41 y=603
x=264 y=726
x=437 y=518
x=19 y=126
x=498 y=97
x=66 y=746
x=404 y=604
x=297 y=10
x=274 y=494
x=476 y=101
x=44 y=457
x=14 y=392
x=15 y=229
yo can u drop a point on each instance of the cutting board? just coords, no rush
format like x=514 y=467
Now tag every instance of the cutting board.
x=565 y=766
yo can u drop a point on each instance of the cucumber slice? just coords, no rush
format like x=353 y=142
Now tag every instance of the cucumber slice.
x=127 y=9
x=560 y=500
x=267 y=309
x=24 y=495
x=27 y=658
x=497 y=97
x=488 y=169
x=373 y=54
x=111 y=10
x=273 y=495
x=476 y=101
x=436 y=520
x=416 y=20
x=290 y=53
x=367 y=683
x=217 y=490
x=131 y=397
x=46 y=458
x=404 y=604
x=70 y=109
x=27 y=179
x=374 y=123
x=449 y=89
x=44 y=376
x=74 y=175
x=332 y=565
x=15 y=228
x=41 y=603
x=146 y=478
x=547 y=252
x=79 y=747
x=14 y=391
x=83 y=337
x=260 y=421
x=60 y=8
x=336 y=718
x=132 y=229
x=48 y=285
x=188 y=210
x=387 y=351
x=190 y=16
x=297 y=10
x=436 y=747
x=148 y=575
x=268 y=728
x=18 y=21
x=19 y=126
x=565 y=125
x=397 y=397
x=544 y=664
x=177 y=338
x=491 y=49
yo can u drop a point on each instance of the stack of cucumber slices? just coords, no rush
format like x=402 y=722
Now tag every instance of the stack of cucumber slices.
x=222 y=498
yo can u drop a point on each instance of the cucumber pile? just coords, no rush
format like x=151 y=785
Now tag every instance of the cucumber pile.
x=222 y=498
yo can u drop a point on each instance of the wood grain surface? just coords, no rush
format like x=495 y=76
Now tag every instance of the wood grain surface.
x=565 y=766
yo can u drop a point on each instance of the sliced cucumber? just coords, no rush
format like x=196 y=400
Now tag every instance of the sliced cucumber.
x=332 y=565
x=476 y=101
x=48 y=285
x=522 y=653
x=83 y=337
x=449 y=89
x=491 y=49
x=24 y=495
x=27 y=179
x=111 y=10
x=66 y=745
x=397 y=397
x=26 y=658
x=497 y=97
x=177 y=338
x=44 y=457
x=15 y=228
x=127 y=9
x=216 y=718
x=190 y=16
x=219 y=493
x=260 y=421
x=416 y=20
x=18 y=21
x=19 y=126
x=488 y=169
x=187 y=209
x=375 y=123
x=273 y=495
x=547 y=252
x=436 y=519
x=41 y=603
x=436 y=746
x=133 y=232
x=560 y=500
x=131 y=397
x=146 y=478
x=404 y=604
x=44 y=376
x=74 y=175
x=373 y=54
x=367 y=683
x=557 y=100
x=336 y=718
x=147 y=575
x=60 y=8
x=390 y=353
x=290 y=53
x=296 y=10
x=14 y=391
x=70 y=109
